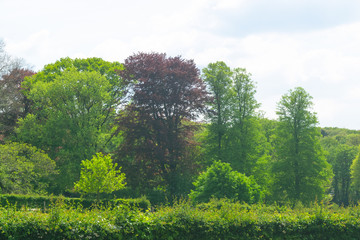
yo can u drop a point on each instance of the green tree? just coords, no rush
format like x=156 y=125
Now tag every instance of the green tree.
x=217 y=76
x=355 y=176
x=24 y=169
x=99 y=175
x=220 y=181
x=246 y=140
x=343 y=157
x=72 y=115
x=301 y=170
x=234 y=122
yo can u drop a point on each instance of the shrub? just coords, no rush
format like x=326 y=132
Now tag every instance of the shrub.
x=220 y=181
x=24 y=169
x=99 y=175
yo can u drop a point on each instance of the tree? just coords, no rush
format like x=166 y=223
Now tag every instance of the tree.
x=341 y=163
x=246 y=141
x=234 y=122
x=24 y=169
x=301 y=170
x=72 y=113
x=13 y=103
x=220 y=181
x=355 y=176
x=167 y=92
x=99 y=175
x=217 y=76
x=5 y=59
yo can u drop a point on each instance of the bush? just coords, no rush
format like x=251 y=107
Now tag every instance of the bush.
x=24 y=169
x=220 y=181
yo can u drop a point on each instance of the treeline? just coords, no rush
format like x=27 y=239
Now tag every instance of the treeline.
x=173 y=130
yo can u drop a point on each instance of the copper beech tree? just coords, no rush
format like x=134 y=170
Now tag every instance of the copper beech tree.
x=167 y=93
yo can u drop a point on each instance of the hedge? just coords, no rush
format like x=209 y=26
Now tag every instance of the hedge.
x=215 y=220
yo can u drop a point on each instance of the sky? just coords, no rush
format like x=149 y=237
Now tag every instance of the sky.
x=314 y=44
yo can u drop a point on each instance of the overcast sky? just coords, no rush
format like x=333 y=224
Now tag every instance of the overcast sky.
x=314 y=44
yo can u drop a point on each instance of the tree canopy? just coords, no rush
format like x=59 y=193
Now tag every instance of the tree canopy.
x=167 y=92
x=13 y=103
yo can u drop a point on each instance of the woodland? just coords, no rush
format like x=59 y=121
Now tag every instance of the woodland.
x=159 y=127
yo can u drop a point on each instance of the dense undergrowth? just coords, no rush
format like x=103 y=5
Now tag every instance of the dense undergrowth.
x=44 y=202
x=219 y=219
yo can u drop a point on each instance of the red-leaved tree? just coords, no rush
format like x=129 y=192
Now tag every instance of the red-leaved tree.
x=157 y=129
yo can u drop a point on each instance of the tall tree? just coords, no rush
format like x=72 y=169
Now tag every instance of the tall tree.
x=234 y=122
x=301 y=170
x=167 y=92
x=72 y=112
x=217 y=76
x=245 y=133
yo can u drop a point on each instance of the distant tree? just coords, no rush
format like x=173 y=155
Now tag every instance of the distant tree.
x=343 y=156
x=301 y=170
x=24 y=169
x=167 y=92
x=353 y=139
x=341 y=148
x=13 y=103
x=8 y=62
x=220 y=181
x=100 y=175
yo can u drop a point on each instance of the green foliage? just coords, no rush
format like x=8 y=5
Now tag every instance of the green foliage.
x=341 y=158
x=24 y=169
x=74 y=104
x=218 y=219
x=220 y=181
x=341 y=147
x=235 y=134
x=355 y=176
x=99 y=175
x=46 y=202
